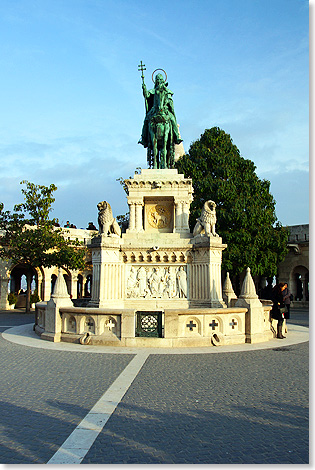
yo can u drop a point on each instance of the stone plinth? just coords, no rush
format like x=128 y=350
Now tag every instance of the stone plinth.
x=205 y=277
x=157 y=263
x=108 y=272
x=255 y=328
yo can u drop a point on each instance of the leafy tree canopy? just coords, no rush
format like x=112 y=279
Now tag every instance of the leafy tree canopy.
x=246 y=218
x=28 y=235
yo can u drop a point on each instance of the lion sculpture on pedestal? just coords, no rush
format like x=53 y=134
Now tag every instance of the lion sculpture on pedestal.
x=107 y=223
x=205 y=224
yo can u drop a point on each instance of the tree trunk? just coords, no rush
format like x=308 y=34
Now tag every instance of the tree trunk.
x=29 y=277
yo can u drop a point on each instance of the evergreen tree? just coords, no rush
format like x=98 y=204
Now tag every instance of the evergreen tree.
x=246 y=218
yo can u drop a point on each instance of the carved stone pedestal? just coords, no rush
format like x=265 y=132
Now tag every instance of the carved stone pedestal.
x=157 y=263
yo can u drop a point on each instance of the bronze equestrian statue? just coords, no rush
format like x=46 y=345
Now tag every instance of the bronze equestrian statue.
x=160 y=130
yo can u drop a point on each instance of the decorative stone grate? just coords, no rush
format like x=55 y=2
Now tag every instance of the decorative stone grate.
x=149 y=324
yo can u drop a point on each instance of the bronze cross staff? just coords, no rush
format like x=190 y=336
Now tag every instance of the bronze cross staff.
x=141 y=68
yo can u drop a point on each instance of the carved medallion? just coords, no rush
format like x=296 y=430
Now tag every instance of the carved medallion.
x=159 y=216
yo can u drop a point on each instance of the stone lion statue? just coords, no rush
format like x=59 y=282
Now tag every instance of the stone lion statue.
x=205 y=224
x=107 y=224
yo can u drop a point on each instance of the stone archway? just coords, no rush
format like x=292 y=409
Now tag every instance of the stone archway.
x=299 y=282
x=16 y=276
x=18 y=285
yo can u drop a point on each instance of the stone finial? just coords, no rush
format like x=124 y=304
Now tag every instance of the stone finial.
x=60 y=288
x=228 y=288
x=228 y=292
x=248 y=288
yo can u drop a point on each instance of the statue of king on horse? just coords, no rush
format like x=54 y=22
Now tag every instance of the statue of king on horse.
x=160 y=130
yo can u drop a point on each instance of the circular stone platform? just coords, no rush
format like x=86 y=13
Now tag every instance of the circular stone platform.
x=25 y=336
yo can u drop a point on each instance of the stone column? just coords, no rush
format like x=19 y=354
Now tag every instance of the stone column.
x=47 y=285
x=178 y=216
x=185 y=215
x=74 y=283
x=303 y=281
x=132 y=216
x=4 y=291
x=139 y=218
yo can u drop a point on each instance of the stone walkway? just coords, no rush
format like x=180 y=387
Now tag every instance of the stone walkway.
x=242 y=405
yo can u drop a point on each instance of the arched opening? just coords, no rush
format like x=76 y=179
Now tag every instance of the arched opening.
x=53 y=282
x=18 y=283
x=300 y=284
x=18 y=279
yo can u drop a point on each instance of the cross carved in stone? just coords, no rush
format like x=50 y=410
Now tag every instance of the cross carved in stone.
x=191 y=325
x=233 y=323
x=213 y=324
x=89 y=324
x=110 y=324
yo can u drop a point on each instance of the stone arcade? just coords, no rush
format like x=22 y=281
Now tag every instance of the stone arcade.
x=158 y=285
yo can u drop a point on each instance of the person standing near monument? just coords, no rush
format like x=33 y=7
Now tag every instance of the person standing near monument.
x=278 y=308
x=287 y=297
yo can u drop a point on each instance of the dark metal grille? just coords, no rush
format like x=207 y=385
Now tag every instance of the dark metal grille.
x=149 y=324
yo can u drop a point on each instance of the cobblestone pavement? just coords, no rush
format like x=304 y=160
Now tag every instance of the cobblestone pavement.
x=245 y=407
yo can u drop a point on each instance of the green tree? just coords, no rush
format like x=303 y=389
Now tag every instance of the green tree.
x=29 y=237
x=246 y=218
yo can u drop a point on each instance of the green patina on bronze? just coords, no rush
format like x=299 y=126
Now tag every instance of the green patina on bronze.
x=160 y=130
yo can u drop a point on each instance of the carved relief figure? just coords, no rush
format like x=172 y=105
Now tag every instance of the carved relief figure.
x=159 y=216
x=155 y=282
x=142 y=279
x=170 y=283
x=107 y=223
x=205 y=224
x=182 y=282
x=132 y=284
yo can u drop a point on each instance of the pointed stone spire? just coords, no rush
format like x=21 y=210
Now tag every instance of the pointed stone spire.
x=60 y=288
x=228 y=292
x=248 y=288
x=228 y=288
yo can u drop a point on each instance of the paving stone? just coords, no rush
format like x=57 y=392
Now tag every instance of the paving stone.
x=180 y=409
x=187 y=394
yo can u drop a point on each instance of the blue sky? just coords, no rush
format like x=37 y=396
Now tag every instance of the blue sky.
x=72 y=104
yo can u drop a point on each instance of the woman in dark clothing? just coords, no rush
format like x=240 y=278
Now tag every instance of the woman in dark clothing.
x=278 y=307
x=287 y=300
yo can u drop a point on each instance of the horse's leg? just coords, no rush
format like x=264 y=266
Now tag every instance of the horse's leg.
x=155 y=151
x=158 y=151
x=164 y=150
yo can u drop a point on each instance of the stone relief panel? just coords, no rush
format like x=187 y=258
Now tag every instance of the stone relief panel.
x=158 y=216
x=158 y=282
